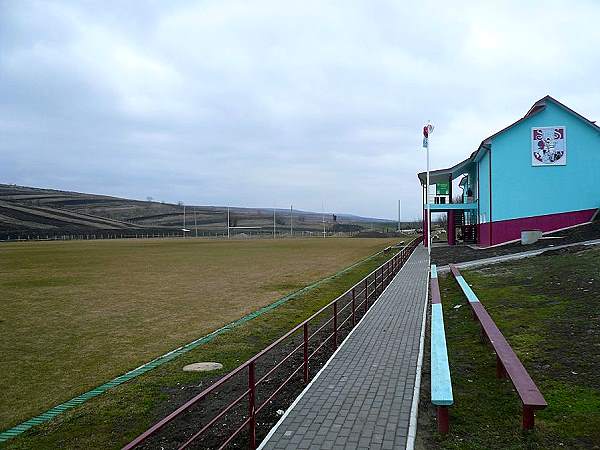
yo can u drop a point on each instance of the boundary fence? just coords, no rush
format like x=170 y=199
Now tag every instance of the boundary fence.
x=117 y=234
x=308 y=339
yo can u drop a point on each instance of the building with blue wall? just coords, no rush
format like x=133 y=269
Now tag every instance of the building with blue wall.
x=540 y=173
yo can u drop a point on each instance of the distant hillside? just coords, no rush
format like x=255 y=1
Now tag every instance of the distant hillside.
x=47 y=211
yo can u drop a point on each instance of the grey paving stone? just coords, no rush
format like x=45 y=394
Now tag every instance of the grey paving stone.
x=364 y=396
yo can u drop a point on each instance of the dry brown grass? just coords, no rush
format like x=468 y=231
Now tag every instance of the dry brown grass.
x=76 y=314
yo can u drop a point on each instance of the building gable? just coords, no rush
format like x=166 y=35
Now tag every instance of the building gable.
x=521 y=189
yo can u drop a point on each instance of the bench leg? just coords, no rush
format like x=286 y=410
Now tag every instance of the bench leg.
x=528 y=418
x=442 y=419
x=500 y=372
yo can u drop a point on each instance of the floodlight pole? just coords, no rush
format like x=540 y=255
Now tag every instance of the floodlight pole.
x=291 y=220
x=195 y=223
x=274 y=224
x=184 y=220
x=228 y=234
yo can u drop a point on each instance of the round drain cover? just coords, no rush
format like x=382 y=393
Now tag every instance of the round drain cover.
x=203 y=367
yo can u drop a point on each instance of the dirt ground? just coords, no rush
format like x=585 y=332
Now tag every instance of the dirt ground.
x=461 y=253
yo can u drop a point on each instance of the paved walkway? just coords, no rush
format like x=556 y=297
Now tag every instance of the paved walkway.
x=362 y=398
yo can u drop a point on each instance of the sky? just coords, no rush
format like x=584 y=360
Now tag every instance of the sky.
x=269 y=102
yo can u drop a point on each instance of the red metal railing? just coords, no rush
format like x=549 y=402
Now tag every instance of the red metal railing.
x=368 y=289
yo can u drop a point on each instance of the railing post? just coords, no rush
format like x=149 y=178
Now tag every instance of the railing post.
x=353 y=307
x=387 y=273
x=335 y=327
x=252 y=405
x=305 y=353
x=366 y=294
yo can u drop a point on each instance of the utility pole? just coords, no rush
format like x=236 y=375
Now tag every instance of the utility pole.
x=195 y=223
x=228 y=234
x=274 y=224
x=184 y=220
x=291 y=220
x=323 y=216
x=399 y=213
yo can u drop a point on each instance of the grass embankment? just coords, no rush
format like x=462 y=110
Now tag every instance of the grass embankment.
x=548 y=308
x=263 y=272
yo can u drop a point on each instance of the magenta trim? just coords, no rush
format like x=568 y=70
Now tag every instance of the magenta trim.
x=510 y=230
x=483 y=231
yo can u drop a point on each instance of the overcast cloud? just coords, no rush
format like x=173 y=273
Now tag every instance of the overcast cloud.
x=261 y=103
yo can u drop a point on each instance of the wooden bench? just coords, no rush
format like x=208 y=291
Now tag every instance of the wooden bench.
x=441 y=384
x=508 y=363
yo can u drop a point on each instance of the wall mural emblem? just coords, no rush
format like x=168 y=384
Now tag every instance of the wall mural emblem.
x=549 y=146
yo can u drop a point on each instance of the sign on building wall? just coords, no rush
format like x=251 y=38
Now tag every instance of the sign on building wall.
x=442 y=188
x=549 y=146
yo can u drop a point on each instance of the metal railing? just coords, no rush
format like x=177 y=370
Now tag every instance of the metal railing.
x=354 y=302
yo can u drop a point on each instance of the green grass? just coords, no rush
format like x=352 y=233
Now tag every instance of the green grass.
x=120 y=414
x=548 y=308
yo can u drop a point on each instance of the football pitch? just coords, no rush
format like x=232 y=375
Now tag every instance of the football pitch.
x=76 y=314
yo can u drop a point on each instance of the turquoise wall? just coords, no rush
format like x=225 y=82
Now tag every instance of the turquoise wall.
x=484 y=187
x=522 y=190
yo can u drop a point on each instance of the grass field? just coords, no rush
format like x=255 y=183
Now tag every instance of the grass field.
x=76 y=314
x=548 y=308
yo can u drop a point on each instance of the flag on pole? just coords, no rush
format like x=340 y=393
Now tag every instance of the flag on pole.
x=427 y=130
